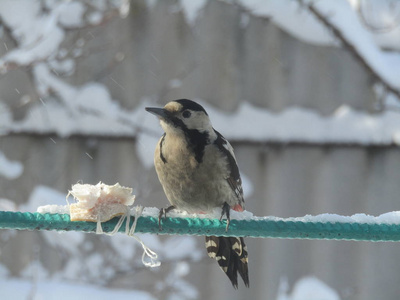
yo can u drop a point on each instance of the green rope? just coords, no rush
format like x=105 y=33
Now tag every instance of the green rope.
x=262 y=228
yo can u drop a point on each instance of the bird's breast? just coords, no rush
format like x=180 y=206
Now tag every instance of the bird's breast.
x=186 y=182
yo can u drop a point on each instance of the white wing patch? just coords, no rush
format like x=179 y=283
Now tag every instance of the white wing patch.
x=233 y=179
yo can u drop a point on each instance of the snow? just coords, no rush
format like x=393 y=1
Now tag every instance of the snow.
x=299 y=22
x=89 y=109
x=386 y=218
x=53 y=209
x=21 y=16
x=251 y=123
x=389 y=218
x=247 y=185
x=292 y=18
x=124 y=8
x=43 y=195
x=382 y=16
x=346 y=125
x=62 y=67
x=53 y=289
x=392 y=218
x=192 y=9
x=306 y=288
x=94 y=18
x=37 y=34
x=93 y=111
x=10 y=169
x=347 y=21
x=96 y=95
x=71 y=14
x=248 y=123
x=122 y=246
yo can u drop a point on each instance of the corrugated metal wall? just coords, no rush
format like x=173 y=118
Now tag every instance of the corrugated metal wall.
x=224 y=62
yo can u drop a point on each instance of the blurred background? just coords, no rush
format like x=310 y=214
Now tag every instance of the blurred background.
x=307 y=92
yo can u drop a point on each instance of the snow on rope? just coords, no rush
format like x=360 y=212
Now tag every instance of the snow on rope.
x=358 y=227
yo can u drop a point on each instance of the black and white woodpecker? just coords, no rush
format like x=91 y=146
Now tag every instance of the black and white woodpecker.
x=198 y=171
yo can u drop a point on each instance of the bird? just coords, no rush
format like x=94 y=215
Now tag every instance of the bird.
x=197 y=169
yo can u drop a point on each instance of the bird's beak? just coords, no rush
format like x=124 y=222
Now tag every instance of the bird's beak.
x=159 y=112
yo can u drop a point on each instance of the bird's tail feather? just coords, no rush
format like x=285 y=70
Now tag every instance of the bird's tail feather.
x=231 y=255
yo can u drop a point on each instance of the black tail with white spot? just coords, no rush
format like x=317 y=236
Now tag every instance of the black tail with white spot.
x=231 y=255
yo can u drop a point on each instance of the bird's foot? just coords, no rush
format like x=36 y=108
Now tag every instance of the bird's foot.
x=163 y=213
x=226 y=210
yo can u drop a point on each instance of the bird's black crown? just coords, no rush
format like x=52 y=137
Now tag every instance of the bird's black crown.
x=189 y=104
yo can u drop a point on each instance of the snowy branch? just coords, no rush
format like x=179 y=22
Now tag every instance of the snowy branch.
x=391 y=21
x=349 y=46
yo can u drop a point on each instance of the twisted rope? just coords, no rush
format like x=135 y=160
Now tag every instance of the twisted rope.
x=261 y=228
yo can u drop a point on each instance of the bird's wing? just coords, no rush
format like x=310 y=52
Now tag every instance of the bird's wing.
x=233 y=179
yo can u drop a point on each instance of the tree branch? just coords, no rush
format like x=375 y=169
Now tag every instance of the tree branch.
x=347 y=45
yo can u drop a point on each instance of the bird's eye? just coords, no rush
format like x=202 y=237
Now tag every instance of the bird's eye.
x=186 y=114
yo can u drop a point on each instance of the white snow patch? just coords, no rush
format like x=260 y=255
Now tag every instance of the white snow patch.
x=386 y=218
x=390 y=218
x=39 y=199
x=10 y=169
x=346 y=19
x=35 y=270
x=38 y=35
x=192 y=9
x=248 y=187
x=346 y=125
x=94 y=112
x=96 y=96
x=215 y=214
x=53 y=209
x=71 y=14
x=52 y=289
x=124 y=246
x=292 y=18
x=42 y=195
x=94 y=18
x=145 y=147
x=182 y=268
x=299 y=22
x=38 y=32
x=66 y=66
x=309 y=288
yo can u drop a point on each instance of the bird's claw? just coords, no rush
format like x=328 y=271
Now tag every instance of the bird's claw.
x=226 y=209
x=163 y=213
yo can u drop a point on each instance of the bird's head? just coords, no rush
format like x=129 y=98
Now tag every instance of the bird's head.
x=182 y=117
